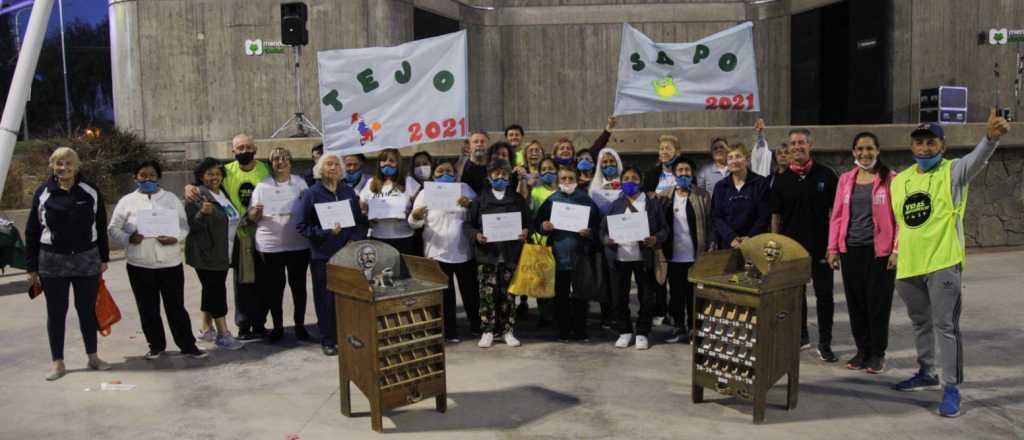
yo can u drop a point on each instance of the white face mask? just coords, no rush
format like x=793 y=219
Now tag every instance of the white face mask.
x=567 y=188
x=422 y=172
x=867 y=167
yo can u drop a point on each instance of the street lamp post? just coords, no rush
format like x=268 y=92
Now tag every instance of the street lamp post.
x=17 y=44
x=64 y=67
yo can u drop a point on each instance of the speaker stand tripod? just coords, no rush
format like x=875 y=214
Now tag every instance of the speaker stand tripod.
x=299 y=119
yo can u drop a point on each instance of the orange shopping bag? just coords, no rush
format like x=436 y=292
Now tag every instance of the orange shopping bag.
x=107 y=313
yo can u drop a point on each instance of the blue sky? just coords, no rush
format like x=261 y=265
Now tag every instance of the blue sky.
x=92 y=11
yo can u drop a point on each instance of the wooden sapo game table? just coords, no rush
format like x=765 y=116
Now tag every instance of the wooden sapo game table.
x=747 y=317
x=390 y=316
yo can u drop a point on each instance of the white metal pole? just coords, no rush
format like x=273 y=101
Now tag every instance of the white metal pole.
x=21 y=83
x=64 y=66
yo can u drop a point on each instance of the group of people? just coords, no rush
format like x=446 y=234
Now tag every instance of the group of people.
x=879 y=228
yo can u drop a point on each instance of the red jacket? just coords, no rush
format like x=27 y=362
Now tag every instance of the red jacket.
x=881 y=214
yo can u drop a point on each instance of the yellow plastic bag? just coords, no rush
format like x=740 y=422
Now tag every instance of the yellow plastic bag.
x=535 y=275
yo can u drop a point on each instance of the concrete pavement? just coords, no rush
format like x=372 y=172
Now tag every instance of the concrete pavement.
x=542 y=390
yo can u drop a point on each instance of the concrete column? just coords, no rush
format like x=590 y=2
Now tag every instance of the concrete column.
x=126 y=66
x=389 y=22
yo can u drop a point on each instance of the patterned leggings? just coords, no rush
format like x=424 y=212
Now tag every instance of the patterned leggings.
x=496 y=307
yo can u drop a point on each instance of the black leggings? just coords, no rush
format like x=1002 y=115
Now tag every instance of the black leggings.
x=271 y=280
x=868 y=285
x=150 y=286
x=680 y=304
x=645 y=295
x=570 y=312
x=215 y=292
x=466 y=274
x=57 y=291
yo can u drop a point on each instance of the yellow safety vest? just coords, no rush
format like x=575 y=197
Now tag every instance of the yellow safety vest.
x=928 y=220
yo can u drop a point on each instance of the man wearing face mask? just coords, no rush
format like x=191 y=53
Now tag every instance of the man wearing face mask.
x=240 y=180
x=801 y=202
x=928 y=200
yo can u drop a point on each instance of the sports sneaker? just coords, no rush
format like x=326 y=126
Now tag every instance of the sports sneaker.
x=679 y=335
x=920 y=381
x=246 y=335
x=511 y=341
x=624 y=340
x=195 y=353
x=153 y=354
x=875 y=365
x=805 y=342
x=950 y=406
x=825 y=353
x=486 y=340
x=641 y=342
x=857 y=362
x=210 y=335
x=228 y=342
x=301 y=333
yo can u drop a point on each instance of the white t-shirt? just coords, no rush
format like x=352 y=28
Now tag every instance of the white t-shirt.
x=276 y=231
x=682 y=243
x=443 y=237
x=631 y=251
x=233 y=217
x=392 y=228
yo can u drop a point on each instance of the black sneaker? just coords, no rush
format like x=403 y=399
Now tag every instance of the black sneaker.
x=329 y=350
x=153 y=354
x=246 y=335
x=275 y=335
x=857 y=362
x=826 y=354
x=805 y=342
x=875 y=365
x=195 y=353
x=301 y=333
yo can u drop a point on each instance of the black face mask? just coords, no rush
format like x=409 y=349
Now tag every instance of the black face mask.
x=245 y=158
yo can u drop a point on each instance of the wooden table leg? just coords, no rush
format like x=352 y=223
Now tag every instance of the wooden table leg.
x=792 y=390
x=441 y=402
x=346 y=398
x=375 y=417
x=697 y=393
x=760 y=399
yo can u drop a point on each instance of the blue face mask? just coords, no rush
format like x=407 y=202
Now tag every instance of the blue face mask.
x=499 y=184
x=927 y=163
x=445 y=178
x=353 y=177
x=585 y=165
x=148 y=186
x=684 y=181
x=610 y=171
x=630 y=188
x=388 y=170
x=563 y=161
x=547 y=178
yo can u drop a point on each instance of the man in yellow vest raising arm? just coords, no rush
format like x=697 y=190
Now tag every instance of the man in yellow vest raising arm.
x=928 y=200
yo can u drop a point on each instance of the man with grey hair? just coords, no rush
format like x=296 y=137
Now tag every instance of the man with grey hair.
x=801 y=203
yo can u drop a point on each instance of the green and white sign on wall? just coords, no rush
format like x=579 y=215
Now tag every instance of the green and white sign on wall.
x=1003 y=36
x=259 y=47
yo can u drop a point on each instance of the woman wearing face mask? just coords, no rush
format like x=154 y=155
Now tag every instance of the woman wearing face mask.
x=634 y=259
x=154 y=263
x=688 y=216
x=570 y=310
x=605 y=189
x=741 y=209
x=422 y=166
x=212 y=222
x=445 y=241
x=355 y=178
x=529 y=170
x=660 y=178
x=504 y=151
x=281 y=248
x=496 y=261
x=390 y=184
x=861 y=238
x=586 y=166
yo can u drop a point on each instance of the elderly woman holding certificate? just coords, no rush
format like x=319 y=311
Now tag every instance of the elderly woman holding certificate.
x=386 y=201
x=151 y=224
x=279 y=243
x=445 y=241
x=328 y=215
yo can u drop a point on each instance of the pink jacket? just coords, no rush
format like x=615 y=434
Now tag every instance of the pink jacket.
x=881 y=210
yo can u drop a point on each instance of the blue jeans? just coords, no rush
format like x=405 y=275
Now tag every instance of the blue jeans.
x=323 y=301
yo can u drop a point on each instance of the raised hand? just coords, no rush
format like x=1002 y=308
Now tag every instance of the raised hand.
x=997 y=125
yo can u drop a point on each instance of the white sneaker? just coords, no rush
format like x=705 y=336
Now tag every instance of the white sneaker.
x=210 y=335
x=228 y=342
x=511 y=340
x=657 y=320
x=486 y=340
x=624 y=340
x=641 y=342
